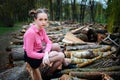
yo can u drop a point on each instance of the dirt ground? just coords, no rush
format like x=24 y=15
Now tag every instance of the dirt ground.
x=4 y=43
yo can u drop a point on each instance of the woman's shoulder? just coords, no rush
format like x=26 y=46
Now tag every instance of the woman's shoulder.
x=29 y=31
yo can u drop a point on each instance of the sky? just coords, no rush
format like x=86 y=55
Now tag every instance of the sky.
x=101 y=1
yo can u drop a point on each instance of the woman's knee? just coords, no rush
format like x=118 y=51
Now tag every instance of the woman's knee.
x=56 y=47
x=61 y=56
x=53 y=54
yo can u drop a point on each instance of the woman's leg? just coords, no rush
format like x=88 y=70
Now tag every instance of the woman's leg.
x=37 y=74
x=56 y=57
x=34 y=73
x=32 y=66
x=56 y=47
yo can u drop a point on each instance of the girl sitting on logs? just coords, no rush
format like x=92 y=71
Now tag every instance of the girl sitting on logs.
x=35 y=53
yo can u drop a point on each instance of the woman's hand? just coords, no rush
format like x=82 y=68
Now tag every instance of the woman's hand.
x=46 y=60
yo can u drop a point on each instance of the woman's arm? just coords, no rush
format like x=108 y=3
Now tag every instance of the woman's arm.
x=48 y=42
x=29 y=40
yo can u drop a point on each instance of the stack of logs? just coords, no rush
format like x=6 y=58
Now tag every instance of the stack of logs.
x=84 y=56
x=87 y=59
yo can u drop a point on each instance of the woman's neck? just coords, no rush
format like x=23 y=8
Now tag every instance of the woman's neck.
x=39 y=28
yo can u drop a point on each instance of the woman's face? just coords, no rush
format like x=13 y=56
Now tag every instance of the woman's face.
x=41 y=20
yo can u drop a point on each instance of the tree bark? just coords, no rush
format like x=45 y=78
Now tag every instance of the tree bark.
x=17 y=53
x=17 y=42
x=51 y=10
x=107 y=69
x=89 y=61
x=76 y=46
x=82 y=10
x=94 y=75
x=16 y=73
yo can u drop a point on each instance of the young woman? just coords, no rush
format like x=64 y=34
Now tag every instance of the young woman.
x=37 y=54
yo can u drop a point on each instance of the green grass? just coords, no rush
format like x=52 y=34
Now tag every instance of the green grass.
x=4 y=30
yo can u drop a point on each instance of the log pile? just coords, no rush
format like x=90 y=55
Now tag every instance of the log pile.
x=16 y=52
x=89 y=58
x=15 y=73
x=83 y=56
x=86 y=56
x=17 y=37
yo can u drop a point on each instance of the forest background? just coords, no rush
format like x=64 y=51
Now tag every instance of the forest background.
x=81 y=11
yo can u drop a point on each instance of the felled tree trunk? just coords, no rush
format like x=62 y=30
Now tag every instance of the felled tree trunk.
x=106 y=77
x=16 y=73
x=102 y=54
x=107 y=69
x=68 y=77
x=71 y=38
x=94 y=75
x=17 y=42
x=18 y=37
x=78 y=61
x=78 y=30
x=83 y=47
x=90 y=53
x=89 y=61
x=17 y=53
